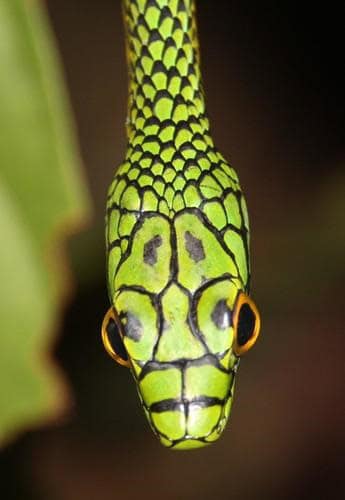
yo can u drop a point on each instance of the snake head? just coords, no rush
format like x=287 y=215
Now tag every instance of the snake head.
x=183 y=352
x=180 y=318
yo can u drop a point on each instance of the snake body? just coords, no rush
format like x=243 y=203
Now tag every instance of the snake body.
x=177 y=238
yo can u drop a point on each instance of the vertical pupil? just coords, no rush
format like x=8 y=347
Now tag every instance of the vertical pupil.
x=115 y=340
x=245 y=325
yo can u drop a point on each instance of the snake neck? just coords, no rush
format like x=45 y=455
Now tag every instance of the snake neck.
x=166 y=97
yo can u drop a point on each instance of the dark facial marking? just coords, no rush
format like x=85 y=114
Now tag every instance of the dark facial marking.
x=133 y=329
x=246 y=324
x=221 y=315
x=115 y=340
x=194 y=247
x=150 y=250
x=178 y=405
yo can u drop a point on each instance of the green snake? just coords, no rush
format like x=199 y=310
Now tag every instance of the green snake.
x=177 y=238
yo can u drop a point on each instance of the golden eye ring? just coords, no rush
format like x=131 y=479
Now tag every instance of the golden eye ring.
x=246 y=322
x=112 y=339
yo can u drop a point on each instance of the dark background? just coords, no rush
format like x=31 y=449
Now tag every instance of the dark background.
x=274 y=81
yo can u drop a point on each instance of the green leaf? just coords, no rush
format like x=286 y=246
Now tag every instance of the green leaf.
x=42 y=197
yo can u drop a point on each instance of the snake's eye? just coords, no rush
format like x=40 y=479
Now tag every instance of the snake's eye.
x=246 y=321
x=112 y=339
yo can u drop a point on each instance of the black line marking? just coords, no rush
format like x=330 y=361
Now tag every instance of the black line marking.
x=183 y=364
x=167 y=405
x=179 y=405
x=174 y=260
x=136 y=288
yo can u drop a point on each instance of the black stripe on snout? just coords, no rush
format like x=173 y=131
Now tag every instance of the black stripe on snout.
x=179 y=405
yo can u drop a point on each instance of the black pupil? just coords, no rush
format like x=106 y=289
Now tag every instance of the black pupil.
x=115 y=340
x=245 y=325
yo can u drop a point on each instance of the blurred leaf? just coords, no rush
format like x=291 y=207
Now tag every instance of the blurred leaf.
x=42 y=196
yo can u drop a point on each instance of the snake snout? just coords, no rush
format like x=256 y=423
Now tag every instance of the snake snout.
x=188 y=424
x=187 y=403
